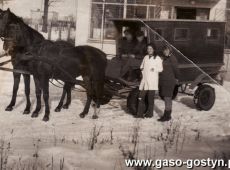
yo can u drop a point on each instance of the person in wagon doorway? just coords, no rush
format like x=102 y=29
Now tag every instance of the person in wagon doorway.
x=167 y=81
x=151 y=67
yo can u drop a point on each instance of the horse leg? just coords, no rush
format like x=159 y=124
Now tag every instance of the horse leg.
x=98 y=87
x=68 y=100
x=89 y=97
x=15 y=90
x=38 y=97
x=58 y=108
x=45 y=89
x=87 y=106
x=27 y=93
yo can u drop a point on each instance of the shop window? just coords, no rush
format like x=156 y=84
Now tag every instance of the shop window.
x=192 y=13
x=101 y=23
x=136 y=11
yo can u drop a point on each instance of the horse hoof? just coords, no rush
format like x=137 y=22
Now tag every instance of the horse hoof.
x=82 y=115
x=9 y=109
x=94 y=117
x=45 y=119
x=65 y=107
x=26 y=112
x=57 y=109
x=34 y=115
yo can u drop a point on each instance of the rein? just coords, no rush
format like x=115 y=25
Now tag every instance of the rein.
x=14 y=70
x=74 y=88
x=3 y=55
x=5 y=62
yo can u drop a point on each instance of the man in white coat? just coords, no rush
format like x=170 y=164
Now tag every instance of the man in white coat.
x=151 y=67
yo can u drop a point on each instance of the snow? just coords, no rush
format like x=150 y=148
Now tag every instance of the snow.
x=198 y=134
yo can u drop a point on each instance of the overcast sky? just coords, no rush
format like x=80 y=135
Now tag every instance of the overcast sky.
x=23 y=7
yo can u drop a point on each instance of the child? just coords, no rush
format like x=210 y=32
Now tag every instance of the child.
x=168 y=80
x=151 y=67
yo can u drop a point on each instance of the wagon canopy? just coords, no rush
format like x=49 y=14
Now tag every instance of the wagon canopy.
x=197 y=45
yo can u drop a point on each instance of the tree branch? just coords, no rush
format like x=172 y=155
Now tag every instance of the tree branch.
x=53 y=1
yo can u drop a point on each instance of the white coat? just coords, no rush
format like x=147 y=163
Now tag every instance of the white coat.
x=150 y=72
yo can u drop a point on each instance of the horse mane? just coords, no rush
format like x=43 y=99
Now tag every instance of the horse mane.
x=31 y=31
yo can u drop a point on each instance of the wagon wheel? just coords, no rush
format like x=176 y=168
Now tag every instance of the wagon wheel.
x=204 y=97
x=132 y=102
x=107 y=96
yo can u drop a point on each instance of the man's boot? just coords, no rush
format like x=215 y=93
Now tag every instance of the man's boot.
x=166 y=116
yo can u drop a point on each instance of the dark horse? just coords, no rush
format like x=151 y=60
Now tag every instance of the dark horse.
x=15 y=46
x=47 y=60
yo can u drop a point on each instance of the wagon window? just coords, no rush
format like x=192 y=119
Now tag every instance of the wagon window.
x=181 y=34
x=160 y=32
x=212 y=34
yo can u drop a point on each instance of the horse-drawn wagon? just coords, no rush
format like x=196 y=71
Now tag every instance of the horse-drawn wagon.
x=198 y=47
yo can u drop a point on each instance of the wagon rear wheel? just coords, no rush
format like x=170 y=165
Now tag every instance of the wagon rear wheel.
x=204 y=97
x=107 y=96
x=132 y=102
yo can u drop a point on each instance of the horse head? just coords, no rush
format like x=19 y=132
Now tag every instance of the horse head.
x=11 y=30
x=4 y=21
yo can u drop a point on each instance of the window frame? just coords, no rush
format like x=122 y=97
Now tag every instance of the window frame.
x=183 y=40
x=104 y=3
x=212 y=39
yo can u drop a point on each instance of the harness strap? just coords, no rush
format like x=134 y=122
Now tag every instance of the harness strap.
x=5 y=62
x=51 y=81
x=14 y=70
x=3 y=55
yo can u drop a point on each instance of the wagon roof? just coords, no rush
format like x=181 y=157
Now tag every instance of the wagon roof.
x=163 y=20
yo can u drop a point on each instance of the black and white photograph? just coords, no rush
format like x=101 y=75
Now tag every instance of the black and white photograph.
x=114 y=84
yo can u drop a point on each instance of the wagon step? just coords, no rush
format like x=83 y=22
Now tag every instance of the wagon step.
x=128 y=83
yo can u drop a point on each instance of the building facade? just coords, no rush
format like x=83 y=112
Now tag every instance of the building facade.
x=94 y=26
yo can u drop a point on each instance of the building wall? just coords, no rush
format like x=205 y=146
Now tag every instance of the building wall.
x=217 y=12
x=83 y=21
x=83 y=28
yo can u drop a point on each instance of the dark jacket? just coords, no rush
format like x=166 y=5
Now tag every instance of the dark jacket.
x=170 y=69
x=167 y=78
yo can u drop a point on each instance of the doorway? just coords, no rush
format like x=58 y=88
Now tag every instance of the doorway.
x=186 y=13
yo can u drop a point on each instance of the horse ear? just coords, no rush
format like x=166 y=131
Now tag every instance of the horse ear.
x=8 y=10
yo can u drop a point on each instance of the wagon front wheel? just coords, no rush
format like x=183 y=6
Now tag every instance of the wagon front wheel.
x=132 y=101
x=204 y=97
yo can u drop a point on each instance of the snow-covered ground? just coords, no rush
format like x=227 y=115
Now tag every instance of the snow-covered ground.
x=66 y=139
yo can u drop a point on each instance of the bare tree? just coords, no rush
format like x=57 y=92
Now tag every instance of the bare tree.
x=47 y=4
x=2 y=2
